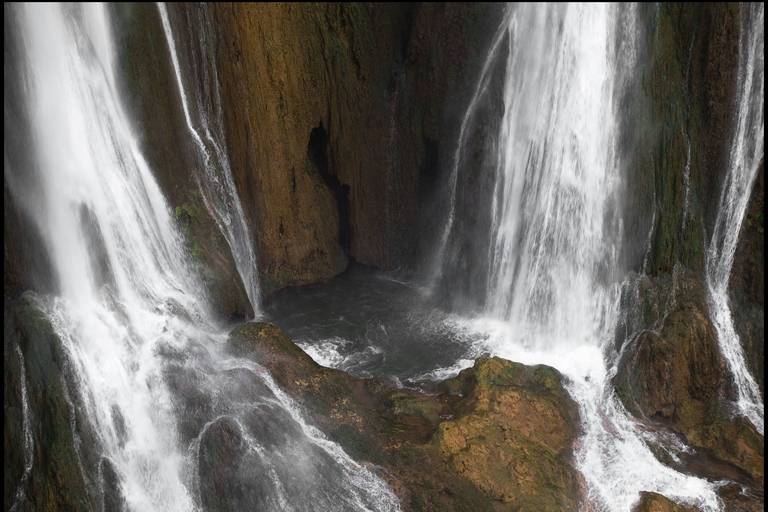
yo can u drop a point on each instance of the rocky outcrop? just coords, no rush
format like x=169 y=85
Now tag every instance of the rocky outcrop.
x=654 y=502
x=497 y=437
x=51 y=455
x=673 y=373
x=679 y=135
x=212 y=257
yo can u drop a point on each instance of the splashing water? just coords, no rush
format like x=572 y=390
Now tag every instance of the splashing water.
x=132 y=318
x=552 y=291
x=747 y=153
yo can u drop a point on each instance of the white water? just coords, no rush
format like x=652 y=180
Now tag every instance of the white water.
x=553 y=280
x=29 y=439
x=216 y=182
x=136 y=329
x=746 y=154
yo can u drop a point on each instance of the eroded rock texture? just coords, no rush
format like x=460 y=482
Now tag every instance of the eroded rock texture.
x=679 y=133
x=497 y=437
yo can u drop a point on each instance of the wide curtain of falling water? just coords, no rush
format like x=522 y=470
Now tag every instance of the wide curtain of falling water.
x=158 y=388
x=547 y=205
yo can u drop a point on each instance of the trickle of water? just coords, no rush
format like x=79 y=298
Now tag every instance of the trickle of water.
x=480 y=90
x=29 y=440
x=746 y=154
x=216 y=183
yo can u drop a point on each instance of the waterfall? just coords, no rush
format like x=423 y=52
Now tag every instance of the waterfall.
x=746 y=154
x=133 y=319
x=216 y=183
x=552 y=275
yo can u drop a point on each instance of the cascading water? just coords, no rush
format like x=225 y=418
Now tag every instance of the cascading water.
x=552 y=276
x=148 y=360
x=746 y=154
x=216 y=183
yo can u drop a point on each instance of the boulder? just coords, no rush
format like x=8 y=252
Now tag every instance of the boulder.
x=499 y=436
x=672 y=373
x=654 y=502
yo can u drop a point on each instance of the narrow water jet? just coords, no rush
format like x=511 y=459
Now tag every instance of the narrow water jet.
x=215 y=182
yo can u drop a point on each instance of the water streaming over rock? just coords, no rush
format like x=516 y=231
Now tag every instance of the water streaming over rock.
x=216 y=183
x=152 y=373
x=550 y=261
x=746 y=154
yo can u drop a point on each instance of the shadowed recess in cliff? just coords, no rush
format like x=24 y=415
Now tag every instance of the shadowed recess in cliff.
x=317 y=154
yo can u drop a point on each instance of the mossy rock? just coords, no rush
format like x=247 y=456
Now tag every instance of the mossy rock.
x=517 y=427
x=674 y=374
x=64 y=451
x=212 y=256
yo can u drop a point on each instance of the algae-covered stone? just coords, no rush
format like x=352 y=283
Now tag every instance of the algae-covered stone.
x=511 y=434
x=51 y=456
x=497 y=437
x=212 y=256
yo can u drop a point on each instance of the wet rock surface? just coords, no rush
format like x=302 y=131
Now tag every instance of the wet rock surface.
x=339 y=117
x=672 y=374
x=654 y=502
x=51 y=454
x=152 y=96
x=497 y=437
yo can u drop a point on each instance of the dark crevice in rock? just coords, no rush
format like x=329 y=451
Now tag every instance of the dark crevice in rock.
x=429 y=172
x=317 y=152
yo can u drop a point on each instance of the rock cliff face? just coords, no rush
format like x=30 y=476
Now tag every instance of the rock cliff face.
x=154 y=101
x=673 y=374
x=337 y=117
x=679 y=132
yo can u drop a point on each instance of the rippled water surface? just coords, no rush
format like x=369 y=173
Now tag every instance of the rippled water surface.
x=374 y=324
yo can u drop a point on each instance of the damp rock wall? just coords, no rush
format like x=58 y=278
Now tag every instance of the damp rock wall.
x=339 y=118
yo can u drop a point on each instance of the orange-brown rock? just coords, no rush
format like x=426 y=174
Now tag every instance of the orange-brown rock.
x=654 y=502
x=497 y=437
x=328 y=122
x=673 y=373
